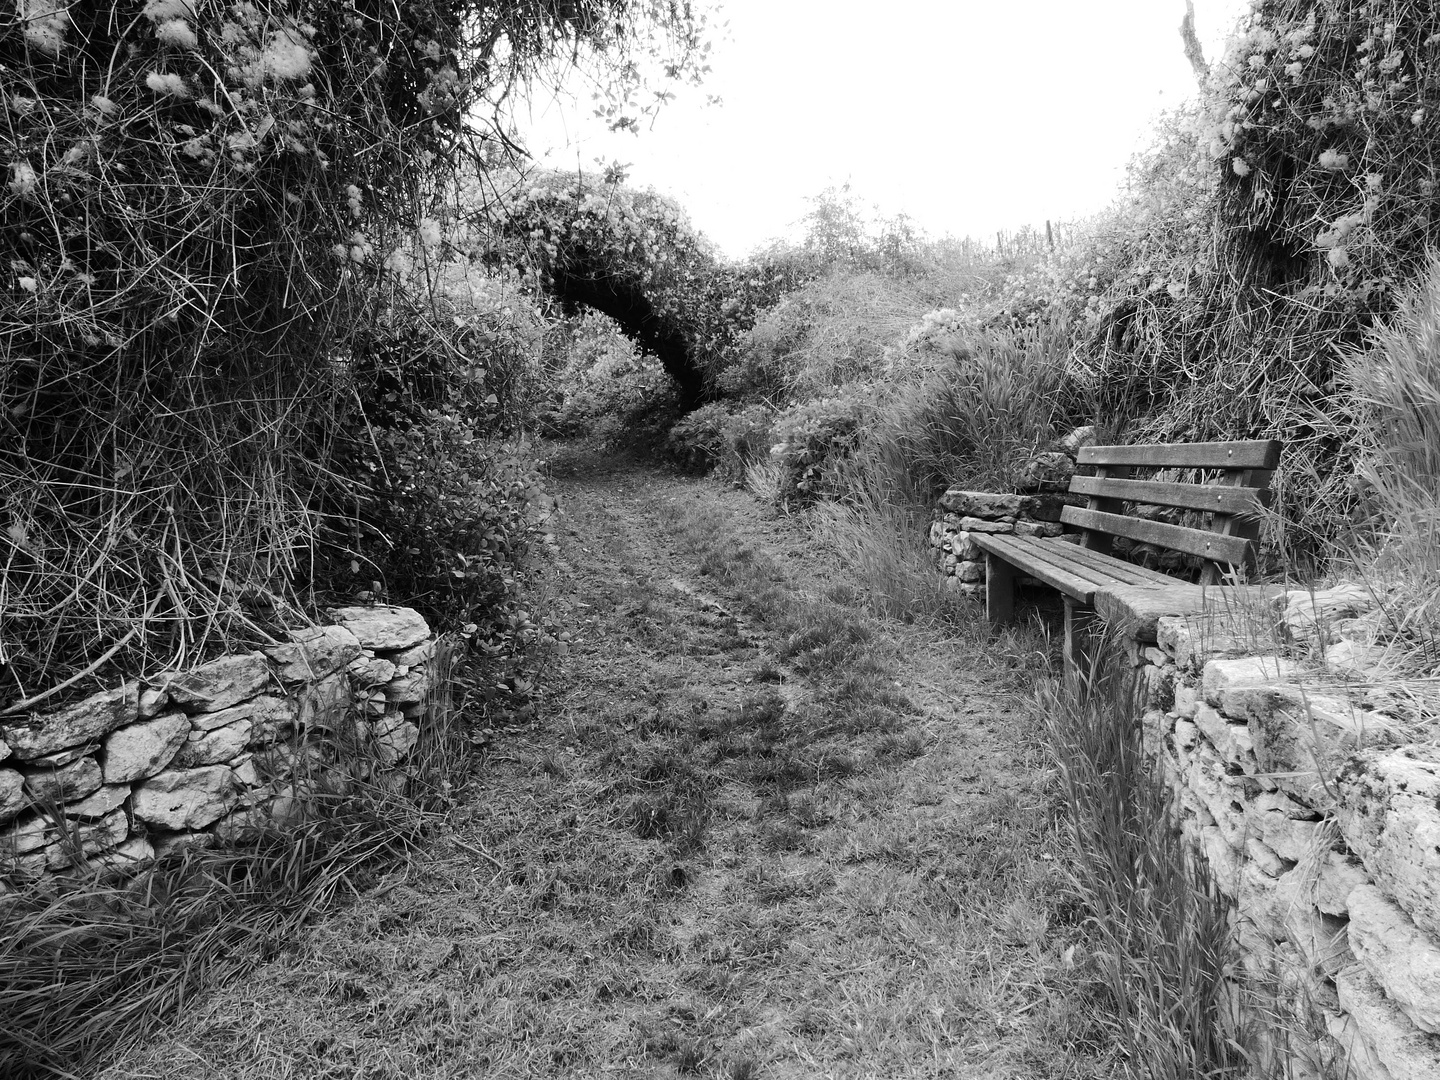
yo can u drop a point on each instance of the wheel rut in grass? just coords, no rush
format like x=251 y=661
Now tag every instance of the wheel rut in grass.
x=752 y=831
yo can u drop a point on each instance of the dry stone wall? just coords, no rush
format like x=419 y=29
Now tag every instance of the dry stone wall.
x=180 y=758
x=959 y=514
x=1316 y=802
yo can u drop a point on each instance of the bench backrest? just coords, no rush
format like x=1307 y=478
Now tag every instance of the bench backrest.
x=1233 y=495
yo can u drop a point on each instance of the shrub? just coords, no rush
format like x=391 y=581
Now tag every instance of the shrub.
x=602 y=379
x=167 y=391
x=725 y=439
x=814 y=438
x=834 y=331
x=981 y=403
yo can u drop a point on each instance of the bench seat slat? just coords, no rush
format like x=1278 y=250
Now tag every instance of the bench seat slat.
x=1233 y=550
x=1034 y=556
x=1252 y=454
x=1120 y=569
x=1221 y=500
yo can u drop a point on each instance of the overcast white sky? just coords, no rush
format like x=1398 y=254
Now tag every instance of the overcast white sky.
x=969 y=115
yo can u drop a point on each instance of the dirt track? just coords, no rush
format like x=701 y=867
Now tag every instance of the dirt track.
x=752 y=832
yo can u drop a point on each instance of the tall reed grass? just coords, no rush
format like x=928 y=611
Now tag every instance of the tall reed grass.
x=1157 y=923
x=1395 y=384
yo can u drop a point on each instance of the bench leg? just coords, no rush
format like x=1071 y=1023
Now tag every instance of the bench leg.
x=999 y=589
x=1079 y=625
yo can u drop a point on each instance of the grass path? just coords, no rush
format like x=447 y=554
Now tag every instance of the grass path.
x=752 y=832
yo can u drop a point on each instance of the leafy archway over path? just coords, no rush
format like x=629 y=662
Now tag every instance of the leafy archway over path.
x=635 y=257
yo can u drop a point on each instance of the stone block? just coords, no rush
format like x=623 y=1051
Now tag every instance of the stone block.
x=282 y=761
x=1336 y=878
x=243 y=823
x=61 y=758
x=247 y=774
x=83 y=722
x=411 y=689
x=419 y=655
x=1230 y=740
x=383 y=628
x=1265 y=857
x=1402 y=958
x=1223 y=860
x=1312 y=615
x=213 y=747
x=109 y=798
x=971 y=572
x=1301 y=738
x=1319 y=938
x=166 y=843
x=1386 y=1033
x=981 y=504
x=370 y=671
x=1047 y=529
x=962 y=547
x=12 y=794
x=973 y=591
x=1222 y=676
x=1186 y=734
x=313 y=653
x=4 y=750
x=1157 y=687
x=392 y=737
x=1187 y=700
x=1224 y=798
x=323 y=704
x=1257 y=902
x=153 y=701
x=246 y=710
x=1358 y=660
x=1389 y=814
x=128 y=856
x=84 y=839
x=1293 y=838
x=220 y=683
x=974 y=525
x=186 y=798
x=24 y=837
x=69 y=783
x=143 y=748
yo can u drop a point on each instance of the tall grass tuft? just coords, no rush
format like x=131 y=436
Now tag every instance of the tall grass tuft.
x=885 y=551
x=90 y=964
x=1159 y=935
x=1396 y=387
x=974 y=420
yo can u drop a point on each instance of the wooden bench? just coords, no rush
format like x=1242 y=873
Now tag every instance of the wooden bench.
x=1234 y=484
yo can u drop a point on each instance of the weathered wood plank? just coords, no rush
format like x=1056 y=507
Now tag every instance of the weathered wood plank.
x=1222 y=500
x=1102 y=570
x=999 y=589
x=1253 y=454
x=1244 y=526
x=1234 y=550
x=1029 y=556
x=1118 y=569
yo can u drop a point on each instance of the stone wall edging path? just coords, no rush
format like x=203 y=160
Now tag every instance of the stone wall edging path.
x=180 y=758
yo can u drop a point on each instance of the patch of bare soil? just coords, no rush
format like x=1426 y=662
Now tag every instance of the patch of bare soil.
x=752 y=832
